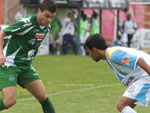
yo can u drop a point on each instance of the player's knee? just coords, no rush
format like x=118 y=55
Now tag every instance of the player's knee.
x=10 y=101
x=42 y=97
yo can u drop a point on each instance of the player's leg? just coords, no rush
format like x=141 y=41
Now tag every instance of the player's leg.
x=57 y=43
x=135 y=94
x=36 y=88
x=9 y=97
x=83 y=53
x=129 y=39
x=51 y=45
x=123 y=105
x=132 y=105
x=73 y=43
x=8 y=82
x=65 y=44
x=31 y=81
x=51 y=48
x=57 y=49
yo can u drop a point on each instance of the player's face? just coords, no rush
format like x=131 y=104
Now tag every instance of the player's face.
x=93 y=54
x=45 y=17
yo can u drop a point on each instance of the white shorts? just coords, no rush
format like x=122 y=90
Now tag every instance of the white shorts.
x=139 y=91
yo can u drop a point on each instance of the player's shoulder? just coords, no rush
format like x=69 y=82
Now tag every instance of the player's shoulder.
x=28 y=19
x=111 y=50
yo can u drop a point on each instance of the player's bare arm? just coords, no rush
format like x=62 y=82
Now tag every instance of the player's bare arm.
x=2 y=58
x=141 y=62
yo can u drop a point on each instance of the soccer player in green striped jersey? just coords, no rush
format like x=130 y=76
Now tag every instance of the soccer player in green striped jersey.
x=16 y=57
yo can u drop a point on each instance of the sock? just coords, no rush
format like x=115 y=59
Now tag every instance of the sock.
x=128 y=109
x=2 y=106
x=47 y=106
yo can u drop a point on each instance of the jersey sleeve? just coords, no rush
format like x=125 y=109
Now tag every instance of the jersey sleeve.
x=18 y=27
x=123 y=58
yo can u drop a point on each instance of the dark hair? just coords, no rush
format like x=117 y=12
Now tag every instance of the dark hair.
x=83 y=15
x=48 y=5
x=97 y=41
x=128 y=16
x=95 y=15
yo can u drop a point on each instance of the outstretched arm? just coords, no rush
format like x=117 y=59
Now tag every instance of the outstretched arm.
x=2 y=58
x=132 y=14
x=141 y=62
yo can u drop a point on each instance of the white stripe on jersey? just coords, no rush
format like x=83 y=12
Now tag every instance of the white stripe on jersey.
x=10 y=58
x=26 y=31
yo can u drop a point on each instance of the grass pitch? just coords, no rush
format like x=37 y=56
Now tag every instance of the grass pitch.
x=75 y=84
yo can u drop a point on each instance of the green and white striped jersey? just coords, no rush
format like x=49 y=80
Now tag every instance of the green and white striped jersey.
x=26 y=37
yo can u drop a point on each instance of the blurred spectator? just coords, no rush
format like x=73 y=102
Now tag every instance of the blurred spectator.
x=83 y=30
x=68 y=33
x=94 y=24
x=128 y=28
x=118 y=41
x=18 y=16
x=54 y=44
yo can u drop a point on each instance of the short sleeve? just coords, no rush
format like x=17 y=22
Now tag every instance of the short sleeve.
x=124 y=58
x=18 y=26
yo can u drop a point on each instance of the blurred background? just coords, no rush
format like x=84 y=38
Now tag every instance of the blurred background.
x=76 y=84
x=109 y=15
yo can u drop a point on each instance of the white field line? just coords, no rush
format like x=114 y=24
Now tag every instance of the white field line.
x=71 y=91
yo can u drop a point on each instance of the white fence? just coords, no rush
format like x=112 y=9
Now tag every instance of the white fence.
x=141 y=39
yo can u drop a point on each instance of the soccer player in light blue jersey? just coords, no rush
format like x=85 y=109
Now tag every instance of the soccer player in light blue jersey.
x=17 y=55
x=130 y=66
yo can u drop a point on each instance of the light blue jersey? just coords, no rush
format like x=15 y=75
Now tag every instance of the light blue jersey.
x=123 y=62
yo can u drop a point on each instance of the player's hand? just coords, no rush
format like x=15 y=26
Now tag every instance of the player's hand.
x=2 y=60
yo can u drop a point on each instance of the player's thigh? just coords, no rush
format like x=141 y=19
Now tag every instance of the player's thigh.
x=27 y=75
x=8 y=77
x=36 y=88
x=30 y=80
